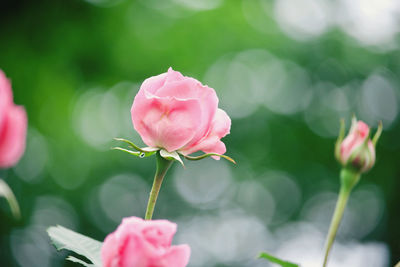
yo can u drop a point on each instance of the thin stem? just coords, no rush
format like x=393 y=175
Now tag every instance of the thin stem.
x=161 y=169
x=337 y=217
x=349 y=179
x=7 y=193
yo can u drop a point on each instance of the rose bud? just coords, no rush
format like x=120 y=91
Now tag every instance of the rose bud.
x=178 y=113
x=143 y=243
x=357 y=150
x=13 y=124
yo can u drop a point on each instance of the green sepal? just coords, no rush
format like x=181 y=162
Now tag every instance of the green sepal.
x=171 y=156
x=357 y=153
x=7 y=193
x=377 y=134
x=264 y=255
x=132 y=145
x=209 y=155
x=135 y=153
x=340 y=139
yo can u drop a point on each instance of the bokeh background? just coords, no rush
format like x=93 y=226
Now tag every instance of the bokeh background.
x=286 y=71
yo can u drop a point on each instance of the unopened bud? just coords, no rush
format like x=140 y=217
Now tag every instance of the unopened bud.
x=357 y=150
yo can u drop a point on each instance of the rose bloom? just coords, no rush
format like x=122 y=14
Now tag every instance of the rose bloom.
x=140 y=243
x=175 y=112
x=13 y=124
x=353 y=150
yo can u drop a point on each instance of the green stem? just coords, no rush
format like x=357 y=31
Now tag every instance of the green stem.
x=161 y=169
x=7 y=193
x=348 y=178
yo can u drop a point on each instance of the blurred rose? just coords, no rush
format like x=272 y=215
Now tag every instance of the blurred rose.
x=356 y=150
x=13 y=123
x=140 y=243
x=175 y=112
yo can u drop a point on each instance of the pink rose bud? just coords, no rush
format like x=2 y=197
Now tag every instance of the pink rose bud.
x=13 y=124
x=140 y=243
x=357 y=150
x=175 y=112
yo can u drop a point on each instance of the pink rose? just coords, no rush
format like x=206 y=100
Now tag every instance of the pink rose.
x=140 y=243
x=357 y=148
x=13 y=123
x=175 y=112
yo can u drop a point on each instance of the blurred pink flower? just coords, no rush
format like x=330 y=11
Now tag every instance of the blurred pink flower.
x=357 y=148
x=13 y=124
x=140 y=243
x=175 y=112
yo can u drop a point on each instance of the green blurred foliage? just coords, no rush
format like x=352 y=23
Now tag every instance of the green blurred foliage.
x=56 y=51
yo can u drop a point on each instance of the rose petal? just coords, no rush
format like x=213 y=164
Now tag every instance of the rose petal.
x=173 y=76
x=152 y=84
x=132 y=252
x=356 y=137
x=5 y=97
x=159 y=232
x=363 y=129
x=190 y=88
x=168 y=123
x=108 y=250
x=211 y=143
x=12 y=136
x=177 y=256
x=135 y=243
x=221 y=124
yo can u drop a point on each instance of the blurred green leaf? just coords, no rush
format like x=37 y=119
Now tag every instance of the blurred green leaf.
x=73 y=259
x=6 y=192
x=273 y=259
x=64 y=238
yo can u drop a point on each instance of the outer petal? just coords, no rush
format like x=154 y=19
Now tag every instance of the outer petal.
x=154 y=83
x=133 y=252
x=159 y=233
x=173 y=76
x=221 y=125
x=177 y=256
x=12 y=136
x=5 y=97
x=356 y=137
x=166 y=122
x=211 y=143
x=109 y=251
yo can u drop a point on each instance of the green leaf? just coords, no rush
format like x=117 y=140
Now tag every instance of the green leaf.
x=64 y=238
x=209 y=155
x=273 y=259
x=6 y=192
x=171 y=156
